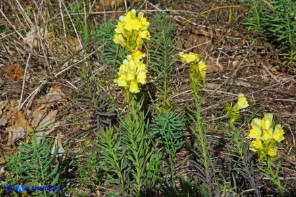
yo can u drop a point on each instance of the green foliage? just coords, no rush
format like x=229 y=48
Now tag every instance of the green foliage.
x=232 y=113
x=187 y=189
x=127 y=156
x=87 y=169
x=111 y=54
x=276 y=19
x=237 y=155
x=239 y=160
x=202 y=145
x=138 y=149
x=35 y=164
x=162 y=47
x=168 y=135
x=111 y=158
x=271 y=174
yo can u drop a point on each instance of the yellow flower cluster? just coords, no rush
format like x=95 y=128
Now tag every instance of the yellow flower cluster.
x=132 y=31
x=132 y=72
x=265 y=136
x=197 y=68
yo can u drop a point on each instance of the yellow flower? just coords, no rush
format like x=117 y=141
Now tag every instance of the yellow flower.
x=267 y=134
x=278 y=134
x=202 y=70
x=138 y=55
x=266 y=121
x=256 y=131
x=121 y=82
x=242 y=101
x=197 y=69
x=120 y=28
x=144 y=22
x=131 y=22
x=141 y=73
x=134 y=88
x=256 y=145
x=189 y=58
x=145 y=35
x=272 y=151
x=141 y=77
x=119 y=39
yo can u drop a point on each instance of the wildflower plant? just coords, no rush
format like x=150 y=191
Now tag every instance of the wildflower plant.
x=238 y=155
x=197 y=80
x=266 y=135
x=131 y=31
x=236 y=144
x=133 y=163
x=203 y=145
x=197 y=70
x=233 y=111
x=168 y=123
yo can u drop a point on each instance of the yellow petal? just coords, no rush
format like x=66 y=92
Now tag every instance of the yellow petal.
x=189 y=57
x=129 y=76
x=122 y=69
x=272 y=151
x=145 y=24
x=139 y=43
x=119 y=28
x=119 y=39
x=278 y=134
x=267 y=134
x=121 y=82
x=128 y=25
x=141 y=77
x=266 y=121
x=255 y=133
x=141 y=67
x=145 y=35
x=134 y=88
x=138 y=55
x=202 y=70
x=256 y=145
x=242 y=101
x=256 y=122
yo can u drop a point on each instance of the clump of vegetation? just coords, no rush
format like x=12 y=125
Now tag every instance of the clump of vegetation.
x=276 y=20
x=36 y=163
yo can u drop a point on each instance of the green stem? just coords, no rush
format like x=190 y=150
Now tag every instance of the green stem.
x=165 y=73
x=274 y=176
x=201 y=135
